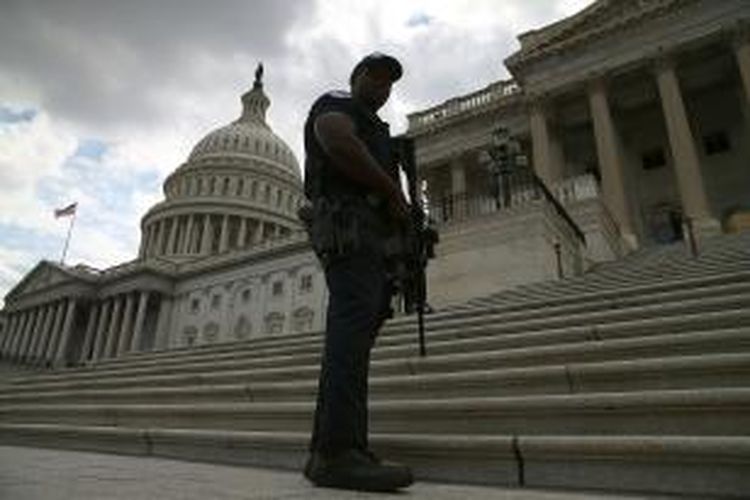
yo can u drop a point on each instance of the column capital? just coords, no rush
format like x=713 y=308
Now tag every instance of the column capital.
x=664 y=60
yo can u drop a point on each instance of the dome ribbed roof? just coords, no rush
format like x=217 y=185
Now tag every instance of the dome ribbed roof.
x=249 y=135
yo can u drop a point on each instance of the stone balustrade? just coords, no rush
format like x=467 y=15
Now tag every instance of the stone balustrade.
x=463 y=104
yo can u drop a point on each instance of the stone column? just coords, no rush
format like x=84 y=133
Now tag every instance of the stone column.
x=172 y=236
x=29 y=335
x=163 y=323
x=144 y=243
x=187 y=243
x=46 y=331
x=611 y=163
x=10 y=327
x=207 y=235
x=684 y=152
x=126 y=333
x=88 y=340
x=101 y=330
x=57 y=328
x=242 y=235
x=22 y=339
x=67 y=332
x=18 y=334
x=459 y=196
x=224 y=238
x=161 y=237
x=139 y=322
x=36 y=333
x=548 y=157
x=114 y=328
x=12 y=331
x=258 y=232
x=153 y=230
x=15 y=333
x=157 y=234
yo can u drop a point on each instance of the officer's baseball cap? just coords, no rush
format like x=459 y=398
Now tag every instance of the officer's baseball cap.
x=378 y=59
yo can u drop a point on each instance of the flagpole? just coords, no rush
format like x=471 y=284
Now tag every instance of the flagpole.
x=67 y=239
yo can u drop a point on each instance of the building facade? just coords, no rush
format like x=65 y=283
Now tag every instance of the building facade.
x=633 y=114
x=222 y=258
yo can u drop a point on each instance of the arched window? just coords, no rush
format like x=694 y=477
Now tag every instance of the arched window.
x=274 y=323
x=189 y=334
x=225 y=189
x=212 y=185
x=242 y=329
x=211 y=332
x=303 y=319
x=240 y=186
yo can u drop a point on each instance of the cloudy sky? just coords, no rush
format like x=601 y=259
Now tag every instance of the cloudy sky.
x=101 y=99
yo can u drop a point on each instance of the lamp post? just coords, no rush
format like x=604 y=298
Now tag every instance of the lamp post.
x=505 y=158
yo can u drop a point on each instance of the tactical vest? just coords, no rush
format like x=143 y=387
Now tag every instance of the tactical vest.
x=344 y=216
x=321 y=177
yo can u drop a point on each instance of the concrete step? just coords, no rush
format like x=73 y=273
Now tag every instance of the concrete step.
x=677 y=305
x=596 y=284
x=450 y=351
x=702 y=466
x=630 y=296
x=675 y=372
x=705 y=412
x=636 y=293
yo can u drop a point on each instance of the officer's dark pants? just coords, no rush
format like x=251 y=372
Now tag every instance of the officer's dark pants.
x=358 y=302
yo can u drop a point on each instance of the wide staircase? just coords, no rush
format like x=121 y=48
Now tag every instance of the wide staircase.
x=632 y=378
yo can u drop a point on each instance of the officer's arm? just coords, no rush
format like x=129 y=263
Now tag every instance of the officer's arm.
x=336 y=134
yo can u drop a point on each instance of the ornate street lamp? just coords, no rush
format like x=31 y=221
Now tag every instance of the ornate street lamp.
x=506 y=157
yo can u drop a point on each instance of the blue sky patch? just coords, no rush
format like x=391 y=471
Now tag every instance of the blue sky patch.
x=12 y=115
x=419 y=19
x=91 y=148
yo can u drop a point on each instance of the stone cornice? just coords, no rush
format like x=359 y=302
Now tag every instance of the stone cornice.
x=610 y=17
x=268 y=250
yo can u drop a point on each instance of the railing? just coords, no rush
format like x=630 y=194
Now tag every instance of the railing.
x=511 y=190
x=456 y=106
x=582 y=187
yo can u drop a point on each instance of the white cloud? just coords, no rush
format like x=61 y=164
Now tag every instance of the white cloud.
x=29 y=152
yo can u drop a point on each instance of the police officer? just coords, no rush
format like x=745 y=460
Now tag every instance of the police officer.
x=354 y=189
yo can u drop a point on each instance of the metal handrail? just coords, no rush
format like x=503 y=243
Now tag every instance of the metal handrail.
x=513 y=189
x=560 y=210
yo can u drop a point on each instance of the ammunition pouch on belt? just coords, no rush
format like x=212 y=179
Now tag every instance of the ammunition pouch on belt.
x=343 y=225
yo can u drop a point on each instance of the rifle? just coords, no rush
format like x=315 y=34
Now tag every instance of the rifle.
x=416 y=242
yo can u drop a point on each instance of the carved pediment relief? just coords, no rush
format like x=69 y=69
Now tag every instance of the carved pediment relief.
x=43 y=276
x=600 y=18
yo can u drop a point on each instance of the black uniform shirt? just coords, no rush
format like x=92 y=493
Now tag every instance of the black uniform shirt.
x=321 y=177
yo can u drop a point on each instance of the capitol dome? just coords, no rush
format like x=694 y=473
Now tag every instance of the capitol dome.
x=239 y=187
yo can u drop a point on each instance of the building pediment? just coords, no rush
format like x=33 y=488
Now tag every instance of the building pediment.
x=47 y=275
x=600 y=19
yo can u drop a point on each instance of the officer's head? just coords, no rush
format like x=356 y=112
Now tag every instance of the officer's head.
x=372 y=77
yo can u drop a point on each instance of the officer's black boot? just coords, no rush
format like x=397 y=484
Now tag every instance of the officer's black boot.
x=355 y=470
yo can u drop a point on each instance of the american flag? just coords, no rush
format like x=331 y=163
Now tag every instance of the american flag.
x=66 y=211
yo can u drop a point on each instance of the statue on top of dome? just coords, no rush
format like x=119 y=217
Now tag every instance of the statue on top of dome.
x=258 y=76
